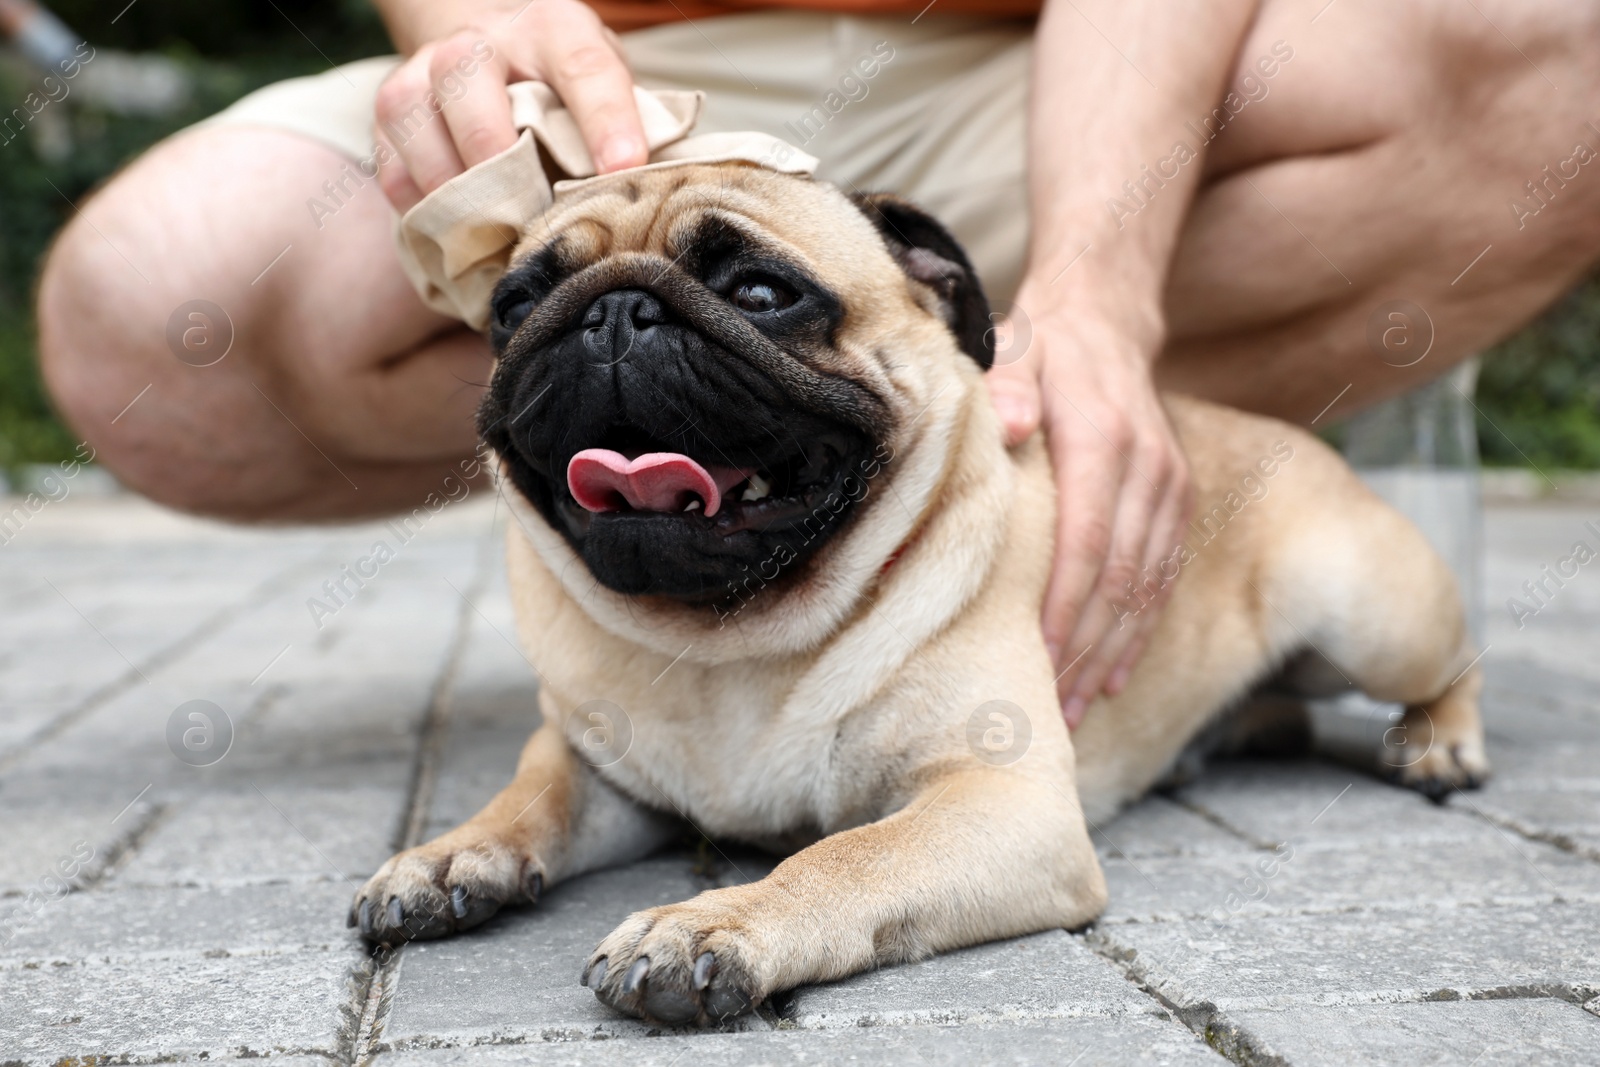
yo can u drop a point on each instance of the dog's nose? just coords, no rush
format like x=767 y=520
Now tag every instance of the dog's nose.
x=611 y=322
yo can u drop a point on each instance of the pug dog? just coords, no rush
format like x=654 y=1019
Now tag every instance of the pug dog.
x=781 y=580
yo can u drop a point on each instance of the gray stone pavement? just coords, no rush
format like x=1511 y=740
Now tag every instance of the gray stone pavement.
x=155 y=911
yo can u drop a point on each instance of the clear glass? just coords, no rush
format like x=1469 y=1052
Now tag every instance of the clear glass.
x=1419 y=452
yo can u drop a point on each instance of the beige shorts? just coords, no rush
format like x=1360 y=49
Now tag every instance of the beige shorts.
x=941 y=120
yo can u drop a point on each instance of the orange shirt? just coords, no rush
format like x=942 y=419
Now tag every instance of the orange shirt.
x=635 y=14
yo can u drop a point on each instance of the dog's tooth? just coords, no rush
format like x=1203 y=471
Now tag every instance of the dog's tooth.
x=693 y=505
x=756 y=489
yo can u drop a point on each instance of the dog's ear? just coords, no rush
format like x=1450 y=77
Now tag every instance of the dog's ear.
x=927 y=252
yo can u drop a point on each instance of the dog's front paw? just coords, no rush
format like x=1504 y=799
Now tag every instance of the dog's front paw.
x=679 y=964
x=448 y=885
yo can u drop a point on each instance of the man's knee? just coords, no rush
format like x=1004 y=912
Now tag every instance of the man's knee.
x=75 y=287
x=139 y=249
x=316 y=317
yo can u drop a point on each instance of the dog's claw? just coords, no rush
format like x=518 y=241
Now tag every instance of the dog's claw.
x=705 y=969
x=396 y=916
x=636 y=975
x=597 y=971
x=534 y=887
x=458 y=901
x=366 y=918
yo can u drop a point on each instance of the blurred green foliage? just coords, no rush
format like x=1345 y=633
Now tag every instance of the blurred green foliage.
x=228 y=49
x=1541 y=389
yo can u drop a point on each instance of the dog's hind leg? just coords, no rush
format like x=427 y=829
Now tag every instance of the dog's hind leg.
x=556 y=819
x=974 y=856
x=1365 y=594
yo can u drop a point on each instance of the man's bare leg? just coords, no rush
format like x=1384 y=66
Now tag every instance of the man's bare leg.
x=341 y=396
x=1380 y=165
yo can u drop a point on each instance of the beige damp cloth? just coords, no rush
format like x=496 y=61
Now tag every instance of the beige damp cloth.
x=941 y=119
x=457 y=242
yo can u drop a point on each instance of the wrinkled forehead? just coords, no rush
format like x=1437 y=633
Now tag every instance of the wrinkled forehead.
x=701 y=209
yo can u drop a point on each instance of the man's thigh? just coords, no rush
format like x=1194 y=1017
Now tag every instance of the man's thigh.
x=339 y=388
x=1385 y=160
x=1362 y=152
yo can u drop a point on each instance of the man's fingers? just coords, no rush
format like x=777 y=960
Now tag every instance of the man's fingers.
x=1084 y=533
x=393 y=178
x=1117 y=680
x=1014 y=391
x=469 y=78
x=1114 y=615
x=408 y=118
x=579 y=60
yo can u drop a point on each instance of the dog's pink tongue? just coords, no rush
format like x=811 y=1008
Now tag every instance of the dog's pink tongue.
x=603 y=480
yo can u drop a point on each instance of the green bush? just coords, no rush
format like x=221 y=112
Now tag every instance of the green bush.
x=1539 y=393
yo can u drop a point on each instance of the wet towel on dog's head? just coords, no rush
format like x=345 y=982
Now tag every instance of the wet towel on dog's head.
x=456 y=243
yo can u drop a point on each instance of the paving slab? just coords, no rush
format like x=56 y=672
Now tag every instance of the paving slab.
x=1529 y=1033
x=1156 y=826
x=155 y=923
x=1521 y=542
x=493 y=711
x=1490 y=866
x=1282 y=800
x=1043 y=976
x=516 y=977
x=43 y=840
x=279 y=834
x=188 y=1006
x=1565 y=816
x=1133 y=1041
x=1355 y=957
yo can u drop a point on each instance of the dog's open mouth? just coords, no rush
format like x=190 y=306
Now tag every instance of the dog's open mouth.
x=642 y=478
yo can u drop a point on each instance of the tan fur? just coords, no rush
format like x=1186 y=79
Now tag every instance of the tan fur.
x=834 y=709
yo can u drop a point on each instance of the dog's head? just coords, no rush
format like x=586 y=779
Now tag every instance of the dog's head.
x=706 y=373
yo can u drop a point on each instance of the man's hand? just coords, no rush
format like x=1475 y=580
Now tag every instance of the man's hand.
x=1123 y=492
x=445 y=108
x=1093 y=292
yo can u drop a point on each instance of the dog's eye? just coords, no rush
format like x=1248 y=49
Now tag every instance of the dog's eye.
x=513 y=310
x=758 y=298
